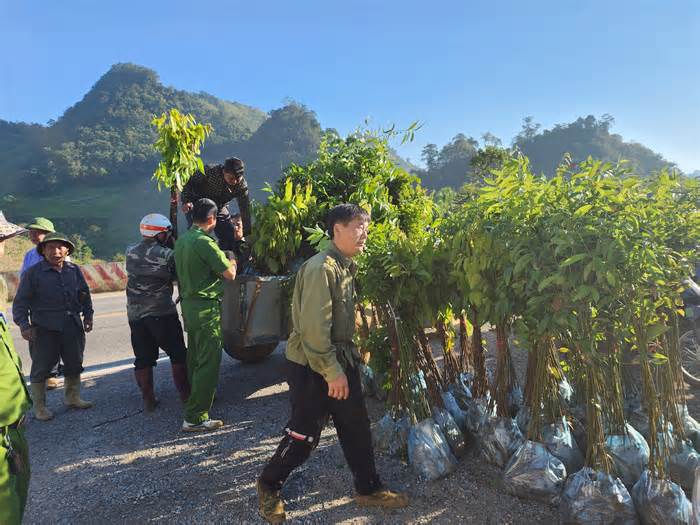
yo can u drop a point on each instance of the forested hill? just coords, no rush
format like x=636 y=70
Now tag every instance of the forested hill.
x=107 y=138
x=586 y=136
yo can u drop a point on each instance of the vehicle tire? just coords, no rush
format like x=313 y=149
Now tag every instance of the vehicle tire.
x=251 y=354
x=690 y=358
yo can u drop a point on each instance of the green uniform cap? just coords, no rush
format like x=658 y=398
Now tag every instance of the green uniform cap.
x=56 y=237
x=43 y=224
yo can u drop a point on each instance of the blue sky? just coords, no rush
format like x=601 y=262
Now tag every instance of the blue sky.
x=457 y=66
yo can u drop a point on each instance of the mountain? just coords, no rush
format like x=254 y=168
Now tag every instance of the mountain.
x=90 y=170
x=587 y=136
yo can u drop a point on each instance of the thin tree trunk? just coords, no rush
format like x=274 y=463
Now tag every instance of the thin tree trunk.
x=480 y=382
x=173 y=210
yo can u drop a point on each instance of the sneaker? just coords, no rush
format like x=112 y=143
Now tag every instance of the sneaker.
x=204 y=426
x=270 y=504
x=383 y=498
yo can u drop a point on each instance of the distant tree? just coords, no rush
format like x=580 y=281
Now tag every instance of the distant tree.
x=490 y=139
x=429 y=156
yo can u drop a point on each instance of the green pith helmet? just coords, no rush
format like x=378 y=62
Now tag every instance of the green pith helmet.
x=56 y=237
x=41 y=223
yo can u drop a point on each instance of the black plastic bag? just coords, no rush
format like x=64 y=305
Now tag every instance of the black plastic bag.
x=391 y=436
x=428 y=451
x=595 y=497
x=682 y=462
x=367 y=381
x=661 y=502
x=691 y=427
x=630 y=455
x=523 y=419
x=560 y=442
x=454 y=436
x=459 y=415
x=499 y=439
x=533 y=472
x=478 y=414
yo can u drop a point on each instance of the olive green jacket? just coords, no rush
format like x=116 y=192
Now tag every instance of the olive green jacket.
x=323 y=314
x=200 y=263
x=14 y=397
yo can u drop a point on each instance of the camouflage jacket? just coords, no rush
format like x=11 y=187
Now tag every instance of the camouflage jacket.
x=151 y=271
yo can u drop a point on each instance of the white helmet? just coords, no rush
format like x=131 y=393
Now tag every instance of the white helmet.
x=153 y=224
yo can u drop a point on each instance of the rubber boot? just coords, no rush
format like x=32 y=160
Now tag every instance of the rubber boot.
x=72 y=393
x=41 y=413
x=180 y=379
x=144 y=378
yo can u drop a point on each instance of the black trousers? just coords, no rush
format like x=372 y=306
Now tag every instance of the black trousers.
x=223 y=228
x=49 y=346
x=151 y=333
x=311 y=406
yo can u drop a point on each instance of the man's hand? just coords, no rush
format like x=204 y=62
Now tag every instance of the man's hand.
x=187 y=207
x=338 y=388
x=28 y=334
x=87 y=325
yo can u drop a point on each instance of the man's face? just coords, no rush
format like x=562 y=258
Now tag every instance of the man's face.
x=55 y=252
x=232 y=178
x=36 y=236
x=350 y=238
x=237 y=228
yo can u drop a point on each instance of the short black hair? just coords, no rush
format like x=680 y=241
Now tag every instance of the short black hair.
x=234 y=165
x=344 y=213
x=202 y=210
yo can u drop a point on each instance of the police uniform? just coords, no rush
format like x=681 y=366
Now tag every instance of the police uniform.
x=200 y=264
x=14 y=404
x=319 y=349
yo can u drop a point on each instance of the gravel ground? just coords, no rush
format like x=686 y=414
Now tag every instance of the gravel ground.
x=114 y=463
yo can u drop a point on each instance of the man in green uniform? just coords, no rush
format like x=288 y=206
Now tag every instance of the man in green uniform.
x=200 y=267
x=322 y=370
x=14 y=404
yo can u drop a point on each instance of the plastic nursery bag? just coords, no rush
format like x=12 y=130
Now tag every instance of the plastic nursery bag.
x=454 y=436
x=478 y=414
x=566 y=391
x=367 y=381
x=690 y=426
x=523 y=419
x=533 y=472
x=630 y=454
x=499 y=439
x=461 y=390
x=591 y=496
x=560 y=442
x=682 y=463
x=391 y=436
x=661 y=502
x=459 y=415
x=428 y=451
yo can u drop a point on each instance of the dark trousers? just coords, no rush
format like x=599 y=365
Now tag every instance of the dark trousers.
x=311 y=406
x=49 y=346
x=154 y=332
x=223 y=229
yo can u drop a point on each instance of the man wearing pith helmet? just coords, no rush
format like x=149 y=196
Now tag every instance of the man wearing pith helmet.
x=53 y=309
x=14 y=404
x=153 y=319
x=39 y=228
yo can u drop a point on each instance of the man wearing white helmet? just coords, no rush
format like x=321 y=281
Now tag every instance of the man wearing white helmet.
x=153 y=319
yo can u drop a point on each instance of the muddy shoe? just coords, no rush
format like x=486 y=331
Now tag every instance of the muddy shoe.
x=383 y=498
x=204 y=426
x=270 y=505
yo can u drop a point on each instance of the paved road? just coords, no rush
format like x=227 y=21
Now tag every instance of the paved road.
x=107 y=345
